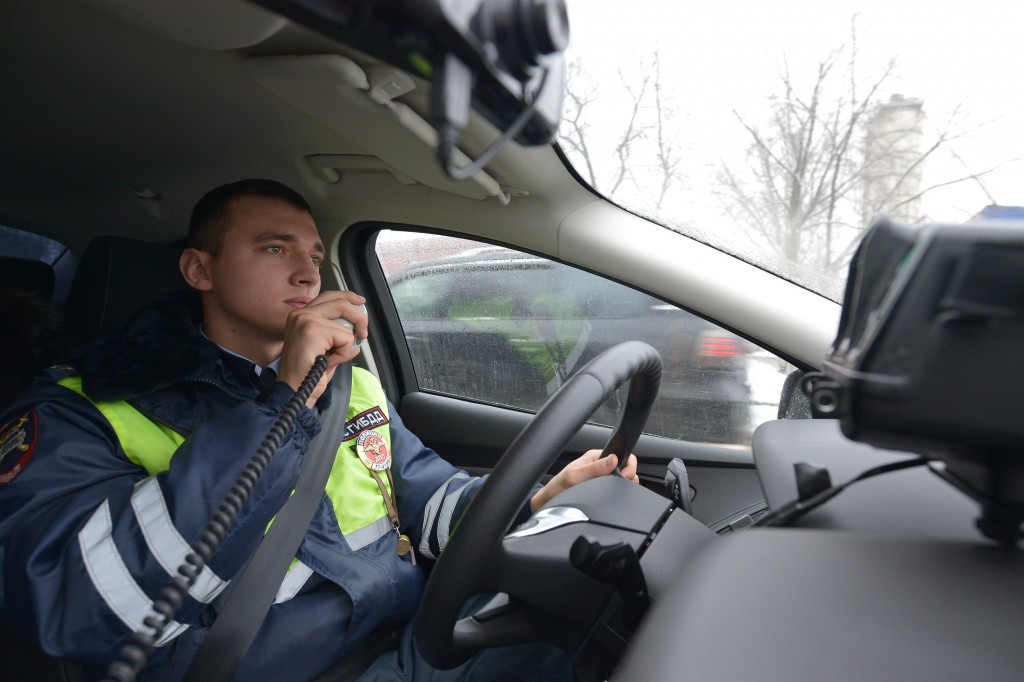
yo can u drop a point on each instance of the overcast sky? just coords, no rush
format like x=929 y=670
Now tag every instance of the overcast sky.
x=720 y=56
x=723 y=59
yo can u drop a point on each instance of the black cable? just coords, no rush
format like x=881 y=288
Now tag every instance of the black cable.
x=788 y=513
x=455 y=83
x=135 y=654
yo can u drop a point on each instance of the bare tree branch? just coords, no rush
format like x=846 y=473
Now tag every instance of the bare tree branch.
x=574 y=117
x=633 y=132
x=668 y=160
x=827 y=158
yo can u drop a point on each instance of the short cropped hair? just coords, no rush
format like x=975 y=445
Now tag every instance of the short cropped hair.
x=208 y=223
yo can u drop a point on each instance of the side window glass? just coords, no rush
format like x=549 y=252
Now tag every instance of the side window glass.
x=500 y=326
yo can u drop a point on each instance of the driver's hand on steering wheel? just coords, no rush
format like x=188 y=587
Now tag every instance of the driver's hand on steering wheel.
x=587 y=466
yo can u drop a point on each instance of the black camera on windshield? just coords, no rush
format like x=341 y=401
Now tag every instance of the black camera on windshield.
x=510 y=51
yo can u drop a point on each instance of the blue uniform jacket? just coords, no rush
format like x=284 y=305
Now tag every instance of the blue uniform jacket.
x=88 y=539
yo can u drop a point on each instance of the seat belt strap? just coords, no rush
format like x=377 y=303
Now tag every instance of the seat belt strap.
x=236 y=625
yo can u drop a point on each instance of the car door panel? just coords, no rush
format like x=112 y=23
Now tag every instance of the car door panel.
x=473 y=436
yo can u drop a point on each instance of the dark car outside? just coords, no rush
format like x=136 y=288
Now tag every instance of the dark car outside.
x=512 y=327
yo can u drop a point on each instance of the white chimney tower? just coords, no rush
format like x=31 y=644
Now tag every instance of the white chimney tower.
x=892 y=160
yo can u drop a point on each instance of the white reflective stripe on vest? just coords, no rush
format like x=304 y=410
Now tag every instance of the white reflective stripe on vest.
x=166 y=543
x=111 y=579
x=441 y=506
x=300 y=572
x=362 y=537
x=293 y=582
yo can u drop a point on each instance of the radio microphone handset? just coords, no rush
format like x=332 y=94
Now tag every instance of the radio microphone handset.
x=356 y=341
x=135 y=654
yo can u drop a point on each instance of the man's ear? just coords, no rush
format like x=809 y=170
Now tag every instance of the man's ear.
x=195 y=268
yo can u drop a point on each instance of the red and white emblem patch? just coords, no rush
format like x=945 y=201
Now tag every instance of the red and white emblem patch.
x=17 y=443
x=373 y=451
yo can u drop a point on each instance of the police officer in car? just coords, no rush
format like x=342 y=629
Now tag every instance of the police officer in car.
x=111 y=468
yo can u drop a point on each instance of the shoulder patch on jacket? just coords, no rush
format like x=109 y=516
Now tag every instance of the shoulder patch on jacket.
x=17 y=443
x=367 y=419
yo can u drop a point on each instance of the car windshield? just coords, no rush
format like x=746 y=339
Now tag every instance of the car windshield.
x=776 y=131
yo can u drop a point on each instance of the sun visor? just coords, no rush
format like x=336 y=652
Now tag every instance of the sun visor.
x=337 y=92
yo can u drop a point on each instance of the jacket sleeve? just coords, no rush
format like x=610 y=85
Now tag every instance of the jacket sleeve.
x=88 y=539
x=432 y=494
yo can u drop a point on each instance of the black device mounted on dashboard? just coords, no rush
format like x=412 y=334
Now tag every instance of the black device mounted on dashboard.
x=928 y=357
x=504 y=55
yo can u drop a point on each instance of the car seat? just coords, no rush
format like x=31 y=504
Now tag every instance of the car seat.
x=115 y=277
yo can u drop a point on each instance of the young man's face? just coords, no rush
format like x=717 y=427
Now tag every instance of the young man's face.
x=267 y=266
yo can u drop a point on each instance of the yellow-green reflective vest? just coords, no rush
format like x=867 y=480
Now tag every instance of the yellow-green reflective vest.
x=356 y=498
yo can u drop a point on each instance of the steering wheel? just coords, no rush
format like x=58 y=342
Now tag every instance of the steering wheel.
x=474 y=560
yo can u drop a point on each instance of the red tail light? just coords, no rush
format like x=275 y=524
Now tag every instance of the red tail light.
x=720 y=346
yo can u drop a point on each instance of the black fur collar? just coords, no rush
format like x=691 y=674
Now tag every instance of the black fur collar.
x=160 y=347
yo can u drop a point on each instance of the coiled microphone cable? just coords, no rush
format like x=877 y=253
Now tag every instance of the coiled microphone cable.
x=135 y=654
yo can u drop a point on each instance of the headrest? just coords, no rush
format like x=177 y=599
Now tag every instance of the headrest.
x=115 y=277
x=27 y=275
